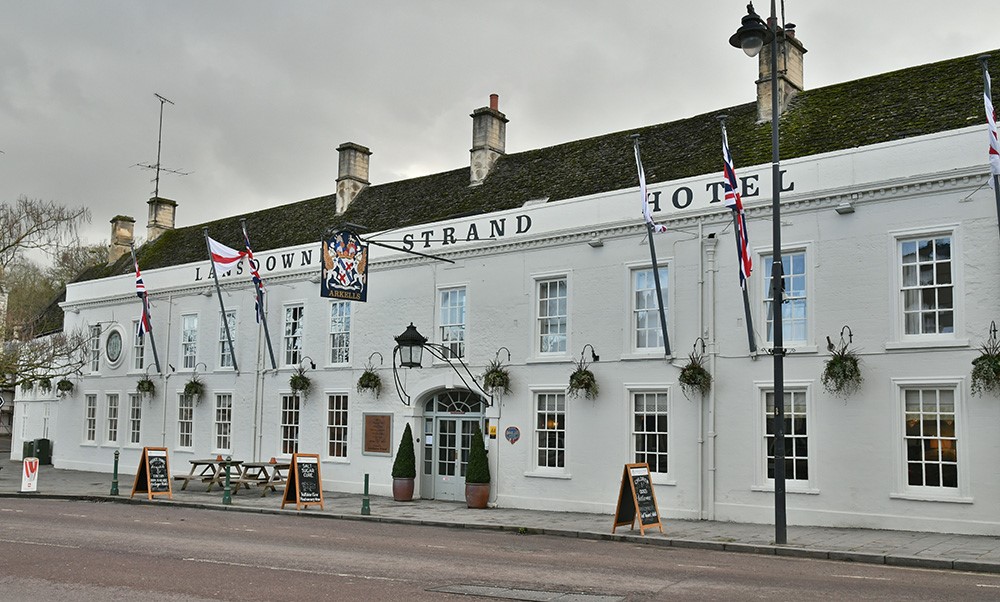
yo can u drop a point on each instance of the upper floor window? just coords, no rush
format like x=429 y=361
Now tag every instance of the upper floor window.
x=294 y=323
x=95 y=348
x=340 y=332
x=553 y=315
x=138 y=347
x=189 y=341
x=794 y=316
x=225 y=353
x=927 y=285
x=452 y=302
x=646 y=309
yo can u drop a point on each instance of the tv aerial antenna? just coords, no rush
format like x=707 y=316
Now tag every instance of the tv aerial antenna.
x=159 y=143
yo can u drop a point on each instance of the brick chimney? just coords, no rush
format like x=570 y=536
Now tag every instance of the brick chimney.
x=489 y=139
x=122 y=236
x=352 y=173
x=161 y=217
x=790 y=83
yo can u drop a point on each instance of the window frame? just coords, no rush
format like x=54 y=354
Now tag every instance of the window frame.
x=114 y=416
x=534 y=469
x=228 y=316
x=218 y=411
x=761 y=480
x=461 y=326
x=90 y=419
x=185 y=405
x=631 y=346
x=536 y=343
x=902 y=489
x=338 y=319
x=288 y=428
x=292 y=344
x=135 y=420
x=95 y=348
x=901 y=340
x=792 y=345
x=345 y=426
x=138 y=349
x=189 y=360
x=661 y=478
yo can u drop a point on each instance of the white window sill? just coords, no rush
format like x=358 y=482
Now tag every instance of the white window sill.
x=90 y=444
x=926 y=344
x=932 y=497
x=645 y=356
x=791 y=348
x=789 y=488
x=337 y=460
x=545 y=474
x=662 y=480
x=544 y=359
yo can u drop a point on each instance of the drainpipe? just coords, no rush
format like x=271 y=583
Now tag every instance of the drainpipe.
x=710 y=244
x=167 y=373
x=701 y=413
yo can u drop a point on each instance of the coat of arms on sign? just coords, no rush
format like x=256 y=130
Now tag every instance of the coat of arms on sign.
x=345 y=267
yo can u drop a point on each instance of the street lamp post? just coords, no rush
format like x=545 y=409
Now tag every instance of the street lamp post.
x=751 y=37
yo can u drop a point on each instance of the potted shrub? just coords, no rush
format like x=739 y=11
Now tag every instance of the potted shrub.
x=146 y=386
x=299 y=382
x=370 y=381
x=496 y=379
x=582 y=380
x=986 y=367
x=842 y=372
x=694 y=376
x=477 y=472
x=404 y=468
x=194 y=388
x=64 y=386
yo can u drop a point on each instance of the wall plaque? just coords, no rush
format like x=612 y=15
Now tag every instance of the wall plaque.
x=378 y=433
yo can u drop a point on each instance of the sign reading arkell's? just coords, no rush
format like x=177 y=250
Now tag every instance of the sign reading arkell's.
x=344 y=274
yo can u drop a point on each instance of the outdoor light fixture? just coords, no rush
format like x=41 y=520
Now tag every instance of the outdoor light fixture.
x=312 y=364
x=845 y=208
x=409 y=350
x=751 y=37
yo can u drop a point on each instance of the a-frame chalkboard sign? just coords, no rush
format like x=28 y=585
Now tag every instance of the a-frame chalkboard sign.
x=637 y=500
x=153 y=475
x=304 y=485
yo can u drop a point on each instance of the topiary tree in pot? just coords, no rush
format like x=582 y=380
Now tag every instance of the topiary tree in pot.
x=477 y=472
x=404 y=468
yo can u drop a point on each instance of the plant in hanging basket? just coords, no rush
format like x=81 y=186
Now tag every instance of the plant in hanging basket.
x=299 y=382
x=146 y=386
x=694 y=376
x=842 y=372
x=582 y=380
x=45 y=384
x=194 y=388
x=27 y=385
x=986 y=368
x=496 y=379
x=370 y=381
x=64 y=386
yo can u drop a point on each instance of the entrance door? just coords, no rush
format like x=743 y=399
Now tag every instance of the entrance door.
x=449 y=420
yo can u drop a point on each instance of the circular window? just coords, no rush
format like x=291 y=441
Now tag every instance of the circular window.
x=113 y=346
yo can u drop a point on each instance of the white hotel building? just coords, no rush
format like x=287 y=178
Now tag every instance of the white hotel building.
x=887 y=227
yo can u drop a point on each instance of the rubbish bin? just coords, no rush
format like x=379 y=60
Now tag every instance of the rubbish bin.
x=28 y=451
x=43 y=451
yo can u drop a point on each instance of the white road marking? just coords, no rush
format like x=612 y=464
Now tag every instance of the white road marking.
x=10 y=510
x=74 y=515
x=697 y=566
x=39 y=543
x=862 y=577
x=985 y=585
x=294 y=570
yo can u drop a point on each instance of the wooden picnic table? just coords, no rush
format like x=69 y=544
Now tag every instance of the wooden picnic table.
x=211 y=471
x=264 y=474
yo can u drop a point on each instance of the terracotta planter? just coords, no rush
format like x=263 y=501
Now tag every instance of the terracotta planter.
x=477 y=494
x=402 y=490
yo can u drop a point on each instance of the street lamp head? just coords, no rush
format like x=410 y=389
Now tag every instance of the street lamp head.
x=411 y=347
x=752 y=34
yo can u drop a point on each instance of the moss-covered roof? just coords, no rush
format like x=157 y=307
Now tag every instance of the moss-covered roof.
x=911 y=102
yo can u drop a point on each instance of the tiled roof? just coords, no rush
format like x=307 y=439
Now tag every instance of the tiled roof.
x=915 y=101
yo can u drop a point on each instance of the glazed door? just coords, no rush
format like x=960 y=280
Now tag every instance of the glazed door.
x=451 y=455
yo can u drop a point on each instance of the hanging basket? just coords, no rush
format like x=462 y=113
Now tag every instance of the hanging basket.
x=842 y=372
x=694 y=376
x=194 y=388
x=299 y=382
x=64 y=386
x=496 y=379
x=583 y=381
x=370 y=381
x=986 y=367
x=146 y=386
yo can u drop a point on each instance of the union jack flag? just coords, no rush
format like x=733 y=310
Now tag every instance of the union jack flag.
x=991 y=118
x=140 y=290
x=733 y=201
x=255 y=276
x=646 y=213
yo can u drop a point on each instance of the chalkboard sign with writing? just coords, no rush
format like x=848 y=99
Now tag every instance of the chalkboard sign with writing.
x=304 y=485
x=637 y=500
x=153 y=475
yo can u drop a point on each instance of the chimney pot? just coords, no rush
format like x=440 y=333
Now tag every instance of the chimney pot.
x=162 y=216
x=122 y=236
x=489 y=140
x=495 y=102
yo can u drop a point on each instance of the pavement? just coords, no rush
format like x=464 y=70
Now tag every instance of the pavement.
x=974 y=553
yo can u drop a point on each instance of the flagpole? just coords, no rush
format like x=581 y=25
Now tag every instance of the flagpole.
x=652 y=254
x=260 y=299
x=145 y=314
x=739 y=254
x=218 y=291
x=989 y=94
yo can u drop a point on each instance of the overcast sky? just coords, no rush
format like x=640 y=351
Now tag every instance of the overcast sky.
x=265 y=91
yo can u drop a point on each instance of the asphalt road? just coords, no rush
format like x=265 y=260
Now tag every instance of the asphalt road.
x=71 y=550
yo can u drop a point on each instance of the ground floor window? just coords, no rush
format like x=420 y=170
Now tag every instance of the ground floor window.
x=223 y=422
x=929 y=437
x=90 y=419
x=185 y=421
x=112 y=417
x=336 y=426
x=649 y=429
x=135 y=418
x=796 y=434
x=289 y=424
x=550 y=430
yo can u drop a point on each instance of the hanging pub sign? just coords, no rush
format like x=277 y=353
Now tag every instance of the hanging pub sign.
x=345 y=267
